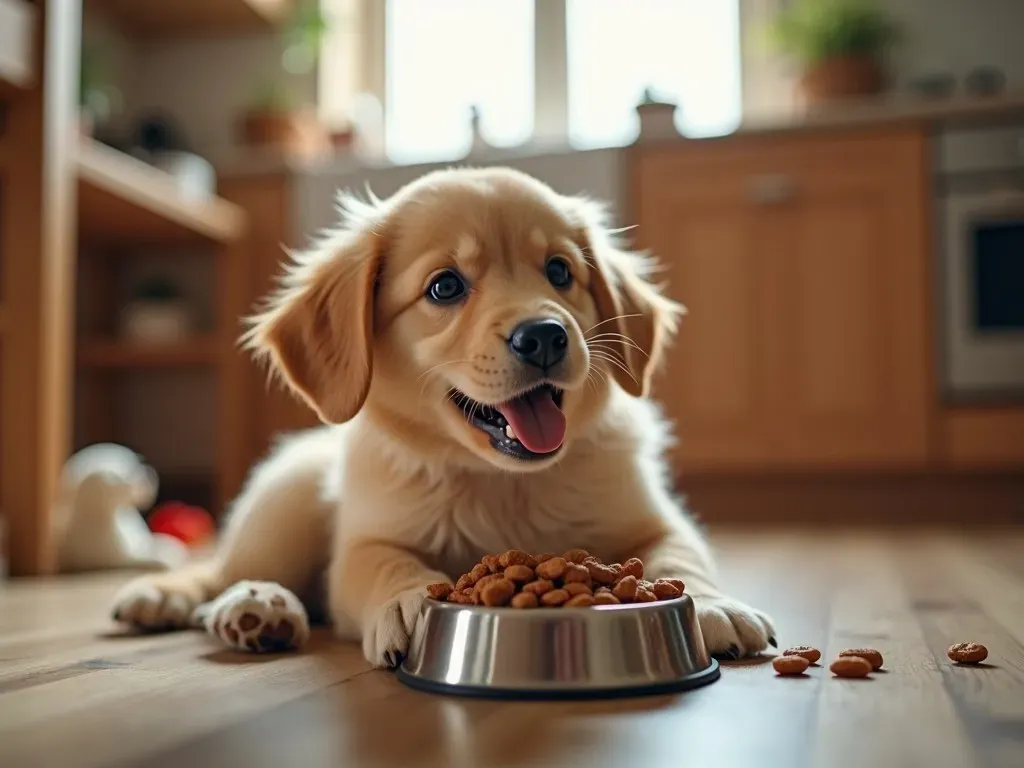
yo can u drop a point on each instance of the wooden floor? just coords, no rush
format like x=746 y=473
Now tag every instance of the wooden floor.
x=74 y=694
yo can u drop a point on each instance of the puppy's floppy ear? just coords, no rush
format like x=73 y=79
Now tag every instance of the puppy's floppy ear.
x=317 y=329
x=627 y=303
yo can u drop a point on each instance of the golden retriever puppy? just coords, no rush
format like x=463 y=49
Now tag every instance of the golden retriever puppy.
x=483 y=350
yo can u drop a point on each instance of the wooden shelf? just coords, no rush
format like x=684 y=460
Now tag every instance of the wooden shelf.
x=163 y=19
x=124 y=201
x=115 y=353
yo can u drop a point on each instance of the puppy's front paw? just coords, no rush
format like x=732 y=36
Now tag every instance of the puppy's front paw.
x=256 y=616
x=386 y=635
x=149 y=603
x=733 y=629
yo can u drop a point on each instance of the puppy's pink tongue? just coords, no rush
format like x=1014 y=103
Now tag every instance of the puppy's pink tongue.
x=537 y=421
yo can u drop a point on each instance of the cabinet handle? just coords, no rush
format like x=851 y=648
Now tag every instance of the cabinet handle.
x=771 y=189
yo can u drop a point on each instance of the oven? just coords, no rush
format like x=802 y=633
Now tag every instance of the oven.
x=982 y=265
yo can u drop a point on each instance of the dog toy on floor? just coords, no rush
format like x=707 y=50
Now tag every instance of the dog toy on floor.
x=99 y=525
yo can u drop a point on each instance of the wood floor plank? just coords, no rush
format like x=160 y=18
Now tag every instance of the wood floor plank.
x=865 y=722
x=951 y=598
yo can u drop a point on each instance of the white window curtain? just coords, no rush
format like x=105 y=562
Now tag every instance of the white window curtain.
x=550 y=70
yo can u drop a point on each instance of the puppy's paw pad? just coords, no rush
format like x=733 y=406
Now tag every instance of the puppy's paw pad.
x=733 y=629
x=146 y=605
x=386 y=638
x=256 y=616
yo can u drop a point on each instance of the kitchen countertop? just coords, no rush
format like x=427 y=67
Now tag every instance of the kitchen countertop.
x=239 y=162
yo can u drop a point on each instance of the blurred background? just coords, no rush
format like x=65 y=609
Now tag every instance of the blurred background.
x=835 y=187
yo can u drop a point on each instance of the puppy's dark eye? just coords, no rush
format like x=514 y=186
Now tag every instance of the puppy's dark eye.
x=446 y=287
x=558 y=273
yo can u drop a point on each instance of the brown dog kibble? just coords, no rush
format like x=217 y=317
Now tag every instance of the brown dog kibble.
x=497 y=592
x=790 y=665
x=576 y=555
x=539 y=587
x=967 y=653
x=850 y=666
x=525 y=600
x=811 y=654
x=644 y=595
x=513 y=557
x=664 y=590
x=633 y=567
x=554 y=597
x=574 y=579
x=625 y=590
x=520 y=573
x=552 y=569
x=577 y=573
x=580 y=601
x=870 y=655
x=439 y=591
x=577 y=588
x=601 y=574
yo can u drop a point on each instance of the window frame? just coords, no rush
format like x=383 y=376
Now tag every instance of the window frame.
x=551 y=76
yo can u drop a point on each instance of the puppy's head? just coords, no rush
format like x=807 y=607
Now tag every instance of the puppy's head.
x=476 y=310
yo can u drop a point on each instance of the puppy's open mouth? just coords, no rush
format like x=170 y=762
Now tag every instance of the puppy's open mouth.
x=530 y=426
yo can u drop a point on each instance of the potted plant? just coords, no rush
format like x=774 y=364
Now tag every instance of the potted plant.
x=274 y=118
x=158 y=313
x=841 y=45
x=98 y=99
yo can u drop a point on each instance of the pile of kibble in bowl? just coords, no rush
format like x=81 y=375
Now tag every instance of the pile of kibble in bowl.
x=575 y=579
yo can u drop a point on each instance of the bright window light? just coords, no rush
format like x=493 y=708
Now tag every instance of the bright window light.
x=686 y=50
x=444 y=57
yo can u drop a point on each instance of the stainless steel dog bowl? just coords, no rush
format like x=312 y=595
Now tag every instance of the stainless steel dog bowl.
x=558 y=653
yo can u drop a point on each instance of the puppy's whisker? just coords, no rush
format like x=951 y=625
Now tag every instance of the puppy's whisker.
x=621 y=337
x=613 y=350
x=616 y=363
x=613 y=345
x=609 y=320
x=434 y=369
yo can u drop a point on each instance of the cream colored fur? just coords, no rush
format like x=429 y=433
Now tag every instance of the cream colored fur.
x=357 y=517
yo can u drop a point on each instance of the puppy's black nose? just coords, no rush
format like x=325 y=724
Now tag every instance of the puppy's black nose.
x=540 y=343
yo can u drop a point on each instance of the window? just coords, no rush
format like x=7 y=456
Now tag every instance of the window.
x=444 y=57
x=688 y=51
x=574 y=69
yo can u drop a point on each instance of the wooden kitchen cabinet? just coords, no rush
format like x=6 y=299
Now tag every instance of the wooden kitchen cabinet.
x=804 y=263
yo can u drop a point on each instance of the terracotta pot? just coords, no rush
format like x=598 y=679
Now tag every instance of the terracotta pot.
x=281 y=129
x=846 y=77
x=298 y=132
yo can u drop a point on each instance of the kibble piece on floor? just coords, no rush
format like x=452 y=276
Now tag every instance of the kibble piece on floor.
x=811 y=654
x=850 y=666
x=967 y=653
x=790 y=665
x=870 y=655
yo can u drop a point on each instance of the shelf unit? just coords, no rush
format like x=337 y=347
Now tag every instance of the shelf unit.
x=167 y=19
x=126 y=208
x=123 y=201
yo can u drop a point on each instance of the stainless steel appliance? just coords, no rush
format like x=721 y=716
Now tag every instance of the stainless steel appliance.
x=982 y=267
x=558 y=653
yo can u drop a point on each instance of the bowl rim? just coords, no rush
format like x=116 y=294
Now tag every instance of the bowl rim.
x=506 y=609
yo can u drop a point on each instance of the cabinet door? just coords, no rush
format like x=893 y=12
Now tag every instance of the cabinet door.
x=854 y=322
x=694 y=218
